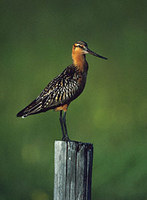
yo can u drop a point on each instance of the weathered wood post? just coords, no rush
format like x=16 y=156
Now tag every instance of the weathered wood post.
x=73 y=170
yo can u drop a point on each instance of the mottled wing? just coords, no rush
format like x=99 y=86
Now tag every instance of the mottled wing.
x=63 y=89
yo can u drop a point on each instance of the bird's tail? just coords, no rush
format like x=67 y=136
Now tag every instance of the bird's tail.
x=33 y=108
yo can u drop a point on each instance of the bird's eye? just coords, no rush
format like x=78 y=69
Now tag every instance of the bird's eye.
x=81 y=46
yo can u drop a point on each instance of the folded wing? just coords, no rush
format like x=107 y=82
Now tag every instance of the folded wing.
x=62 y=90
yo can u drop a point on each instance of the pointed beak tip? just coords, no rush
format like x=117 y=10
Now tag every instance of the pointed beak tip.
x=95 y=54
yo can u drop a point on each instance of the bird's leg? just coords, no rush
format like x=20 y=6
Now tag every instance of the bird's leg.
x=65 y=128
x=61 y=122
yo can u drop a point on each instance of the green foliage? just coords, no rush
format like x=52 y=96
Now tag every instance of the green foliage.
x=36 y=41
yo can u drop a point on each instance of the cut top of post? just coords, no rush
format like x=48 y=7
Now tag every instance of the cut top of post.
x=73 y=170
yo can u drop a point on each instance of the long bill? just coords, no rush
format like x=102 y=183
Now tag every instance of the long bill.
x=95 y=54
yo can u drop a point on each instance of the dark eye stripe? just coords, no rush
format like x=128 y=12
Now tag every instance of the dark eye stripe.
x=80 y=46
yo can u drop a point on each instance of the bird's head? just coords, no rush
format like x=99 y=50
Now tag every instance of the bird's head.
x=81 y=47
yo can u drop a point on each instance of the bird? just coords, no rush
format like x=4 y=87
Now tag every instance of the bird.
x=64 y=88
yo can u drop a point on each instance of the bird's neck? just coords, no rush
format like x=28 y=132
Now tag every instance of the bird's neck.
x=79 y=61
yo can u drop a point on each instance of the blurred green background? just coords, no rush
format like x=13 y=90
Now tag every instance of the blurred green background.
x=36 y=38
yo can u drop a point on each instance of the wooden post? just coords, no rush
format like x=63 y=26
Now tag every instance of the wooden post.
x=73 y=170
